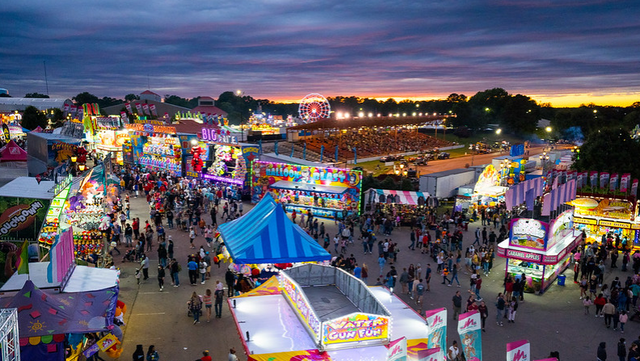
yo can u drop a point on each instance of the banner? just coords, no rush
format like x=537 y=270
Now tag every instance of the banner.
x=145 y=109
x=613 y=182
x=593 y=180
x=21 y=218
x=432 y=354
x=604 y=180
x=128 y=107
x=519 y=351
x=579 y=180
x=397 y=350
x=139 y=108
x=625 y=179
x=571 y=175
x=437 y=328
x=470 y=335
x=634 y=188
x=530 y=198
x=73 y=110
x=152 y=109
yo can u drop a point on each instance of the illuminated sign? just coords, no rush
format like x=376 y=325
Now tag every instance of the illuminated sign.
x=585 y=221
x=525 y=256
x=530 y=233
x=149 y=128
x=214 y=135
x=614 y=224
x=356 y=327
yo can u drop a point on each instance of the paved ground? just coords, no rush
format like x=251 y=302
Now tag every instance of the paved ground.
x=553 y=321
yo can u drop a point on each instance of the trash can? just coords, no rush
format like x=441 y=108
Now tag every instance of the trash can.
x=561 y=279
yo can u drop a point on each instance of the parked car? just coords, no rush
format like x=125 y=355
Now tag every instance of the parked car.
x=444 y=155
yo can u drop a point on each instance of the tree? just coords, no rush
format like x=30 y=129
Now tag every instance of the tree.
x=33 y=118
x=57 y=119
x=488 y=107
x=85 y=97
x=131 y=97
x=35 y=95
x=609 y=149
x=176 y=100
x=521 y=114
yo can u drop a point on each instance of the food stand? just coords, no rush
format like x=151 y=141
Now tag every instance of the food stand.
x=323 y=191
x=540 y=250
x=598 y=216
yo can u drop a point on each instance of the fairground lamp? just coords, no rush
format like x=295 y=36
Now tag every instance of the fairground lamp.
x=81 y=167
x=74 y=159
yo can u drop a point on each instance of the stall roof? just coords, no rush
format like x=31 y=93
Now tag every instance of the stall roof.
x=12 y=152
x=82 y=279
x=309 y=187
x=28 y=187
x=266 y=235
x=491 y=190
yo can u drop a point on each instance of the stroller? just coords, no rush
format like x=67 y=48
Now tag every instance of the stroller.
x=130 y=255
x=189 y=314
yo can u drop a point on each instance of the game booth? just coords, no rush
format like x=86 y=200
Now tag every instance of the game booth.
x=322 y=191
x=108 y=136
x=216 y=155
x=408 y=205
x=488 y=191
x=539 y=250
x=324 y=313
x=154 y=147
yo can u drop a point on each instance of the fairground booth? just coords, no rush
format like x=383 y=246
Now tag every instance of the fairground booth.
x=154 y=147
x=322 y=191
x=406 y=204
x=107 y=135
x=324 y=313
x=216 y=155
x=607 y=205
x=539 y=250
x=488 y=191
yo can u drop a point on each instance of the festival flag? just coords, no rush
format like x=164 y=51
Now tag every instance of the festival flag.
x=508 y=198
x=519 y=351
x=604 y=180
x=634 y=187
x=436 y=328
x=546 y=204
x=128 y=107
x=66 y=108
x=22 y=261
x=145 y=109
x=139 y=108
x=555 y=181
x=470 y=335
x=123 y=116
x=613 y=182
x=571 y=175
x=579 y=180
x=593 y=180
x=530 y=199
x=321 y=152
x=152 y=109
x=397 y=350
x=432 y=354
x=73 y=110
x=624 y=182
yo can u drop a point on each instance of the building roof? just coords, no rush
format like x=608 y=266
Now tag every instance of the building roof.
x=11 y=104
x=149 y=92
x=161 y=107
x=209 y=109
x=189 y=126
x=28 y=187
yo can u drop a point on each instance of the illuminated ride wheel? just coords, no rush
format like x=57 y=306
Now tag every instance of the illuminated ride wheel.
x=314 y=107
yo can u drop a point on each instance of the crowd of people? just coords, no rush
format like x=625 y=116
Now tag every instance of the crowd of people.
x=370 y=142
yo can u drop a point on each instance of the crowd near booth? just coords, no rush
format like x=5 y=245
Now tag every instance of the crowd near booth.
x=407 y=205
x=321 y=191
x=538 y=250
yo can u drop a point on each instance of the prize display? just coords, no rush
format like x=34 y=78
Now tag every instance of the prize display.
x=162 y=153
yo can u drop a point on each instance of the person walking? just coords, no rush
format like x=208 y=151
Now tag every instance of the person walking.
x=195 y=306
x=453 y=353
x=219 y=295
x=609 y=311
x=175 y=271
x=457 y=305
x=192 y=266
x=454 y=275
x=138 y=354
x=513 y=308
x=152 y=354
x=623 y=318
x=500 y=307
x=602 y=351
x=404 y=279
x=161 y=277
x=230 y=279
x=419 y=295
x=484 y=314
x=208 y=303
x=144 y=264
x=232 y=355
x=381 y=262
x=622 y=350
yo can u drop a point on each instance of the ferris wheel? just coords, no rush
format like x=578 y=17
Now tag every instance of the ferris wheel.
x=314 y=107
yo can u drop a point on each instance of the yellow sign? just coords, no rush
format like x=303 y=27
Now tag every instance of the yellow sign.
x=356 y=327
x=614 y=224
x=107 y=342
x=635 y=226
x=585 y=221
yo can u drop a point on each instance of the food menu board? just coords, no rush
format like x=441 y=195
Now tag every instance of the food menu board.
x=616 y=209
x=529 y=233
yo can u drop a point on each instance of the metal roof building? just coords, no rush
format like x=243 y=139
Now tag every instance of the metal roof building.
x=20 y=104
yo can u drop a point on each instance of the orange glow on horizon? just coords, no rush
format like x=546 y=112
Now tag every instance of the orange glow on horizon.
x=557 y=100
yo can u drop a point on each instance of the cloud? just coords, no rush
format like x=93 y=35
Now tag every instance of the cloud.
x=285 y=49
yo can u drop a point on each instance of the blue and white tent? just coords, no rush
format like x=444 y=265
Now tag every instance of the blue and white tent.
x=267 y=235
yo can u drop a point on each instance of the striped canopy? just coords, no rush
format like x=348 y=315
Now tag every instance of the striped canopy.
x=267 y=235
x=400 y=197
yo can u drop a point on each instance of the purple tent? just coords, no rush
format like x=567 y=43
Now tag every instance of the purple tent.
x=44 y=315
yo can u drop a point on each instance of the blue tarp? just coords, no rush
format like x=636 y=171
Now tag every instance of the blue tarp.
x=267 y=235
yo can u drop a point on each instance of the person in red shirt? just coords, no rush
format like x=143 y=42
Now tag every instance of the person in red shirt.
x=600 y=301
x=206 y=356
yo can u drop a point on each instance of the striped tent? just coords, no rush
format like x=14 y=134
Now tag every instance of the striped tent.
x=267 y=235
x=400 y=197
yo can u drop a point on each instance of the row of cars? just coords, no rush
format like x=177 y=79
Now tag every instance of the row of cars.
x=417 y=160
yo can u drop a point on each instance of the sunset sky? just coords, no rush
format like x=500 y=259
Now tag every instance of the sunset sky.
x=564 y=52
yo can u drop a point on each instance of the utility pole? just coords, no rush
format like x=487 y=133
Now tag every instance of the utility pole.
x=46 y=81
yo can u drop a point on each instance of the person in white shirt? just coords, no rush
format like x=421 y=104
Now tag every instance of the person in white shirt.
x=454 y=352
